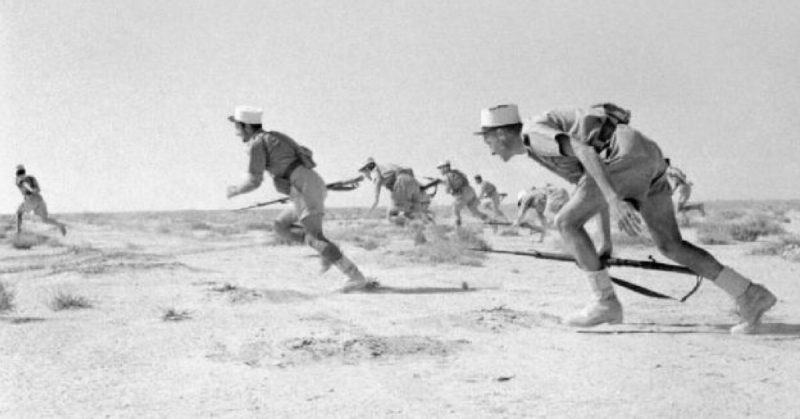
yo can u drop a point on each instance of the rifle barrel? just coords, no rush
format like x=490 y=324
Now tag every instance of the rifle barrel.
x=644 y=264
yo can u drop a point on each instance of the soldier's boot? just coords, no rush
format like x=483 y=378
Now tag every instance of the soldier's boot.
x=752 y=300
x=604 y=307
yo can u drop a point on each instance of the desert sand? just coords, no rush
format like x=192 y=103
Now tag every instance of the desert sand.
x=206 y=314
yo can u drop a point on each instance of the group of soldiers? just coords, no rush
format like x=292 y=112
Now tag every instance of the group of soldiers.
x=616 y=171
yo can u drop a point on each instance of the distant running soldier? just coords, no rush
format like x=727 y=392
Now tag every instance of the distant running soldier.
x=536 y=200
x=406 y=193
x=33 y=201
x=681 y=185
x=293 y=174
x=488 y=190
x=457 y=185
x=614 y=166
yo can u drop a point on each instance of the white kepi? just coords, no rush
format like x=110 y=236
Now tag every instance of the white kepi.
x=498 y=116
x=247 y=114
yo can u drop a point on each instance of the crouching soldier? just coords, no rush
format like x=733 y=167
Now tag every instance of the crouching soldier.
x=536 y=200
x=405 y=191
x=293 y=174
x=614 y=167
x=457 y=185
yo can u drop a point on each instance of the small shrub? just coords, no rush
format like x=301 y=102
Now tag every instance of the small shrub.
x=65 y=301
x=174 y=315
x=25 y=241
x=714 y=233
x=787 y=247
x=200 y=225
x=6 y=298
x=258 y=226
x=509 y=232
x=454 y=248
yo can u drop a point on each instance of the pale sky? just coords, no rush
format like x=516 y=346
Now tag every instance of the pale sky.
x=122 y=105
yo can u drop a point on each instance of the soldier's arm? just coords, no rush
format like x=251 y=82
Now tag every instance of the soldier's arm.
x=255 y=172
x=623 y=211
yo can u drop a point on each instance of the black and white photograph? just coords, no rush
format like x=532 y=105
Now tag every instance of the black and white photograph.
x=399 y=209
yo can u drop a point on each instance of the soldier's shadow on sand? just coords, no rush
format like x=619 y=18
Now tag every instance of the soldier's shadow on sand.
x=765 y=329
x=417 y=290
x=20 y=319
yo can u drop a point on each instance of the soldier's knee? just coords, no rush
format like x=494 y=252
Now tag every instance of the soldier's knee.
x=564 y=222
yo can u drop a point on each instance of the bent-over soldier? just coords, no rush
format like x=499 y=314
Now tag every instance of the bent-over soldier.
x=614 y=166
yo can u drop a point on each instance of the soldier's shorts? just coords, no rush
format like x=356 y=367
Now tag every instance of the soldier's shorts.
x=308 y=192
x=33 y=203
x=466 y=199
x=636 y=167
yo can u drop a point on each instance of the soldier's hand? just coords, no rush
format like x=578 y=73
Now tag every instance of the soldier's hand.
x=232 y=191
x=628 y=219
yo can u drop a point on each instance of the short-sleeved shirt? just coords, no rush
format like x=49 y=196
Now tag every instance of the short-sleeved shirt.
x=541 y=133
x=535 y=199
x=456 y=181
x=271 y=151
x=30 y=181
x=388 y=174
x=488 y=189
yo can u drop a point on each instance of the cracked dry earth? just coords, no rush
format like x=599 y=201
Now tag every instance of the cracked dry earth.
x=258 y=332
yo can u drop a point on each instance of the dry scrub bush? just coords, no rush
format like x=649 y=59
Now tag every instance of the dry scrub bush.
x=744 y=229
x=787 y=247
x=6 y=298
x=446 y=245
x=65 y=301
x=175 y=315
x=26 y=240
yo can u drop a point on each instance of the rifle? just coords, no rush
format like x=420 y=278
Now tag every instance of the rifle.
x=342 y=185
x=631 y=263
x=432 y=184
x=523 y=224
x=345 y=185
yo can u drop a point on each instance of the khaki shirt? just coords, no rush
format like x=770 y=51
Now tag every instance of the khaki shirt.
x=487 y=189
x=388 y=174
x=540 y=137
x=31 y=182
x=456 y=181
x=271 y=151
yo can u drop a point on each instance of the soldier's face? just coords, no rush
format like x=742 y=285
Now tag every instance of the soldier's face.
x=497 y=142
x=244 y=131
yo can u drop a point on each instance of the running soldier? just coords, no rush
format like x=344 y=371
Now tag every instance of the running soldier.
x=489 y=191
x=33 y=201
x=457 y=185
x=681 y=185
x=536 y=200
x=406 y=193
x=630 y=180
x=293 y=174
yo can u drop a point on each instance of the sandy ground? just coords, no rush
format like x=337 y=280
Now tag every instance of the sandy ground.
x=264 y=335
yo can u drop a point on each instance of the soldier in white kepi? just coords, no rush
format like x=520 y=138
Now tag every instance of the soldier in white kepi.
x=32 y=201
x=292 y=169
x=613 y=166
x=457 y=185
x=406 y=194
